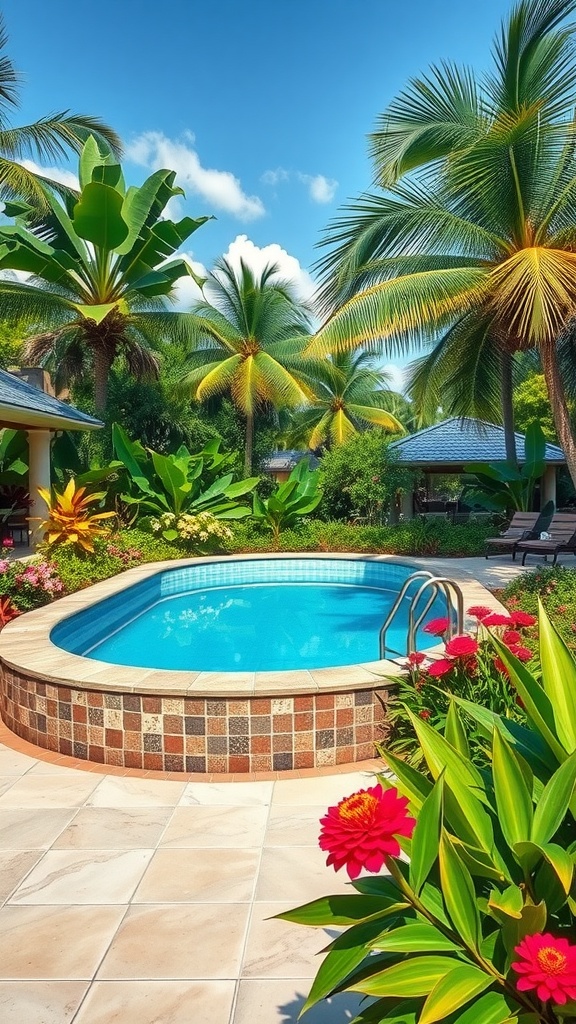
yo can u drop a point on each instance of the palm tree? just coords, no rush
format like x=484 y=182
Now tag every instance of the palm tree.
x=471 y=245
x=101 y=273
x=49 y=138
x=348 y=394
x=249 y=338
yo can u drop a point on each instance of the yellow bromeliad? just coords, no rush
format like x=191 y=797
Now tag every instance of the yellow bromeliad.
x=72 y=520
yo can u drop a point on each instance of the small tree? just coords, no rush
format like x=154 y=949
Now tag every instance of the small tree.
x=361 y=477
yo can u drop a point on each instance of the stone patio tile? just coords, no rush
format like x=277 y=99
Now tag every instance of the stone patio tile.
x=238 y=794
x=55 y=943
x=190 y=876
x=322 y=791
x=279 y=949
x=135 y=792
x=31 y=829
x=152 y=1002
x=87 y=876
x=279 y=1001
x=40 y=1002
x=220 y=826
x=297 y=874
x=294 y=825
x=14 y=866
x=108 y=828
x=47 y=791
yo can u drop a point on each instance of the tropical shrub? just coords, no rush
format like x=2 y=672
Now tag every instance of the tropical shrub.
x=555 y=587
x=27 y=585
x=360 y=478
x=178 y=484
x=203 y=532
x=469 y=668
x=71 y=519
x=505 y=485
x=296 y=497
x=475 y=923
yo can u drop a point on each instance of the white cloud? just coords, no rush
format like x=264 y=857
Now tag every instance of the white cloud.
x=275 y=177
x=396 y=377
x=257 y=257
x=219 y=188
x=186 y=292
x=56 y=173
x=320 y=188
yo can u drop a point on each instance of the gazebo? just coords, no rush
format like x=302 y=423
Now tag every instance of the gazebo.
x=24 y=407
x=280 y=464
x=448 y=447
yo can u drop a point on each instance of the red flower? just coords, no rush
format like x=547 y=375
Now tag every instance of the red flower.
x=360 y=832
x=499 y=664
x=548 y=965
x=417 y=657
x=561 y=609
x=425 y=714
x=479 y=611
x=511 y=636
x=520 y=618
x=440 y=667
x=461 y=647
x=495 y=619
x=437 y=627
x=522 y=653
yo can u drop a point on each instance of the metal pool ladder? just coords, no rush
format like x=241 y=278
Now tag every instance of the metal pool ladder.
x=432 y=584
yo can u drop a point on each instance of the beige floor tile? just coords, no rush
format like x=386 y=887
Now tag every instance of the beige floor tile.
x=157 y=1002
x=48 y=791
x=200 y=826
x=6 y=781
x=104 y=828
x=290 y=825
x=297 y=874
x=278 y=949
x=133 y=792
x=180 y=942
x=14 y=763
x=229 y=793
x=14 y=866
x=32 y=829
x=322 y=791
x=55 y=943
x=91 y=876
x=190 y=876
x=48 y=768
x=280 y=1002
x=45 y=1002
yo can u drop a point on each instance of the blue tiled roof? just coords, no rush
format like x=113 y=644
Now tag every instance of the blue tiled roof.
x=16 y=394
x=283 y=462
x=459 y=441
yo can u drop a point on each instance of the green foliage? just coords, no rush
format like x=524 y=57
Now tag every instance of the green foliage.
x=490 y=862
x=360 y=478
x=555 y=587
x=531 y=403
x=504 y=485
x=297 y=497
x=178 y=484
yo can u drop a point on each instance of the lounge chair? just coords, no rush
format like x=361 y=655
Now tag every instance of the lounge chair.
x=562 y=538
x=523 y=526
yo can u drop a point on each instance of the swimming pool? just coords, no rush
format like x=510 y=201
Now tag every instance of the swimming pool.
x=256 y=615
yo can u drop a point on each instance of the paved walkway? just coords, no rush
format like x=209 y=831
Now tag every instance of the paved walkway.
x=141 y=901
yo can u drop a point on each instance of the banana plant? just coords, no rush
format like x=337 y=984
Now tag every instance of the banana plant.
x=181 y=483
x=101 y=266
x=475 y=922
x=501 y=486
x=297 y=497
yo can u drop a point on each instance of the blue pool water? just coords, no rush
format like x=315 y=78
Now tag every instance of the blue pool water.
x=254 y=615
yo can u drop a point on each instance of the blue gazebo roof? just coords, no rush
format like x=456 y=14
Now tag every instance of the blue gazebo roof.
x=285 y=461
x=23 y=405
x=456 y=442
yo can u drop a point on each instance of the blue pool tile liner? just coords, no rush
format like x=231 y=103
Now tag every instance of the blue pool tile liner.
x=81 y=632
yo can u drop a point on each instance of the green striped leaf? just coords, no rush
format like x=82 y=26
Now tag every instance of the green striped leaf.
x=410 y=782
x=415 y=937
x=411 y=978
x=453 y=991
x=426 y=837
x=536 y=702
x=554 y=802
x=454 y=731
x=346 y=953
x=558 y=679
x=341 y=910
x=559 y=860
x=508 y=903
x=492 y=1008
x=458 y=892
x=513 y=799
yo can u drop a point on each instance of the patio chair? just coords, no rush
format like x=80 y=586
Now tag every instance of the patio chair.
x=563 y=538
x=523 y=527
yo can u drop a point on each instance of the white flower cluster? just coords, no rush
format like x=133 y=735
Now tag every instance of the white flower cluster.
x=199 y=529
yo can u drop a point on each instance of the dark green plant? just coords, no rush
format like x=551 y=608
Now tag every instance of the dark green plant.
x=505 y=485
x=361 y=478
x=298 y=496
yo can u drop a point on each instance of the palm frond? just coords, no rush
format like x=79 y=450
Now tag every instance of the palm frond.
x=50 y=137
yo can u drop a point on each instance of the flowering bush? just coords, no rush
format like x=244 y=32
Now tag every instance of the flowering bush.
x=475 y=923
x=26 y=585
x=470 y=668
x=202 y=532
x=555 y=586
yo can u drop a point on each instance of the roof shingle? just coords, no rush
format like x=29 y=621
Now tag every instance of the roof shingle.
x=459 y=441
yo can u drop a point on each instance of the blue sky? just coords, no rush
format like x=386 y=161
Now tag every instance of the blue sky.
x=263 y=108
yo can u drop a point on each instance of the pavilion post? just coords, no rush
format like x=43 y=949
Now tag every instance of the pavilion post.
x=38 y=476
x=549 y=485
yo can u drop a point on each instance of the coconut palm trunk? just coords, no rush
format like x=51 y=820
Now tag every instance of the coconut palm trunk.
x=507 y=393
x=102 y=366
x=560 y=411
x=249 y=444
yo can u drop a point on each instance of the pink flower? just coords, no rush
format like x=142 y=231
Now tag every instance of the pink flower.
x=360 y=831
x=522 y=653
x=461 y=647
x=495 y=619
x=511 y=636
x=437 y=627
x=499 y=664
x=440 y=667
x=547 y=965
x=416 y=658
x=479 y=611
x=520 y=618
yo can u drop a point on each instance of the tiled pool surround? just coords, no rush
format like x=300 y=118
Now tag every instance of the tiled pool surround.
x=190 y=721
